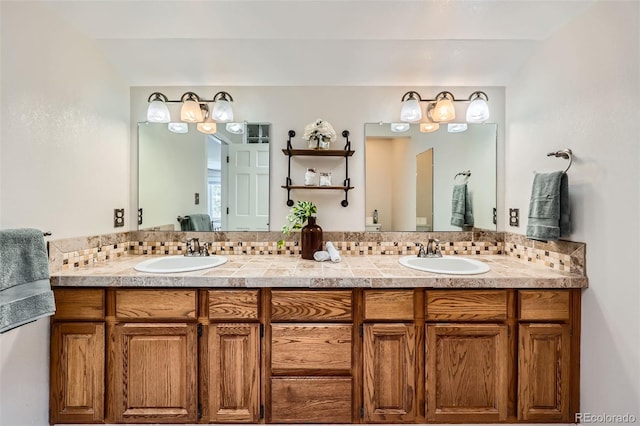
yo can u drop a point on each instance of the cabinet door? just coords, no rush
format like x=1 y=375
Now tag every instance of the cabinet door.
x=154 y=373
x=543 y=372
x=389 y=373
x=234 y=374
x=77 y=373
x=467 y=372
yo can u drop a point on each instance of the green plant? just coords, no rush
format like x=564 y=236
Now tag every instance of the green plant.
x=297 y=217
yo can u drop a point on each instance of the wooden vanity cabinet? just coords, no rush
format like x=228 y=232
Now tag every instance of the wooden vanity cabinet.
x=467 y=352
x=391 y=364
x=310 y=362
x=153 y=357
x=548 y=355
x=77 y=362
x=230 y=370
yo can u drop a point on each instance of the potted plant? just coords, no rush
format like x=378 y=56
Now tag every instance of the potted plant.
x=310 y=234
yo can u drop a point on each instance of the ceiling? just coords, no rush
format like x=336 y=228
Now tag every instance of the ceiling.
x=318 y=42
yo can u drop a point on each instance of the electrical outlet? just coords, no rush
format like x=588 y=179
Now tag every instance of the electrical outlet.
x=495 y=216
x=140 y=216
x=197 y=198
x=118 y=218
x=514 y=217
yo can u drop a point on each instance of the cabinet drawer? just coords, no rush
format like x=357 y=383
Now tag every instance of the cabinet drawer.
x=311 y=400
x=159 y=304
x=79 y=304
x=310 y=349
x=543 y=305
x=388 y=305
x=466 y=305
x=310 y=305
x=233 y=304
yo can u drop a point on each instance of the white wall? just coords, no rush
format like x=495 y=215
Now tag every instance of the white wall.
x=580 y=90
x=293 y=107
x=64 y=166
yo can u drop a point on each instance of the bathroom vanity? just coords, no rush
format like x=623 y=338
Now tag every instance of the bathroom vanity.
x=363 y=341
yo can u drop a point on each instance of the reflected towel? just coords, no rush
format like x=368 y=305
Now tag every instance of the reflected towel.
x=25 y=291
x=549 y=215
x=196 y=222
x=461 y=211
x=335 y=254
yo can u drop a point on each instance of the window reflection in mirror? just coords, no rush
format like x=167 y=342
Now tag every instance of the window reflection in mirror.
x=198 y=182
x=410 y=176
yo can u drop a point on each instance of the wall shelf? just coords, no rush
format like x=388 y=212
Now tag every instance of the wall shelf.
x=290 y=152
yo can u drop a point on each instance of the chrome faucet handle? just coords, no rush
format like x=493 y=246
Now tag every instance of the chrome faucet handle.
x=189 y=248
x=205 y=249
x=421 y=251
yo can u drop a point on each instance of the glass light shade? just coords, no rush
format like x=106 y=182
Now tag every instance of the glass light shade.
x=235 y=128
x=191 y=112
x=178 y=127
x=444 y=110
x=411 y=110
x=456 y=127
x=478 y=111
x=429 y=127
x=400 y=127
x=222 y=111
x=158 y=112
x=208 y=127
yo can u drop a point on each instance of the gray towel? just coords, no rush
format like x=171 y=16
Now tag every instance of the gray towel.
x=25 y=291
x=196 y=222
x=549 y=217
x=461 y=211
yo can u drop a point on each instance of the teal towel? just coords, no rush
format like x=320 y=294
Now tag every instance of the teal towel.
x=461 y=211
x=186 y=224
x=549 y=215
x=25 y=291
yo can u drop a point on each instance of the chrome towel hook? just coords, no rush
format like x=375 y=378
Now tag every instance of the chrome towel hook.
x=566 y=153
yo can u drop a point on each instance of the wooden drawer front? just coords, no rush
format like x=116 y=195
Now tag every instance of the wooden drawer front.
x=466 y=305
x=309 y=305
x=545 y=305
x=233 y=305
x=311 y=400
x=159 y=304
x=388 y=305
x=79 y=304
x=310 y=349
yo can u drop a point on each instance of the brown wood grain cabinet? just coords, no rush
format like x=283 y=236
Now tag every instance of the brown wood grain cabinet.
x=168 y=355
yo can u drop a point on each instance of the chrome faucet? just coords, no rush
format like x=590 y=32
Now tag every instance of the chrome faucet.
x=432 y=249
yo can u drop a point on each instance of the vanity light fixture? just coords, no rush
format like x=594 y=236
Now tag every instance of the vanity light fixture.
x=441 y=109
x=456 y=127
x=400 y=127
x=192 y=108
x=178 y=127
x=478 y=110
x=208 y=126
x=429 y=126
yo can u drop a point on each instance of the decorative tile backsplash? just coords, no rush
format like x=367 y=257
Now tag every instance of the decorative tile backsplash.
x=81 y=252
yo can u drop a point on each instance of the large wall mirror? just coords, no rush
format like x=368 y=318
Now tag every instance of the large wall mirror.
x=198 y=182
x=410 y=176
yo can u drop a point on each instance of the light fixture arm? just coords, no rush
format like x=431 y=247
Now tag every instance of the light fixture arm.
x=444 y=94
x=189 y=96
x=411 y=95
x=157 y=96
x=222 y=96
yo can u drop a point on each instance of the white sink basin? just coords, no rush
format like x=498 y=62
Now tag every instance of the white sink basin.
x=453 y=265
x=169 y=264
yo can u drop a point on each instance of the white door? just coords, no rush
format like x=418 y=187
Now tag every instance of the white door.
x=248 y=183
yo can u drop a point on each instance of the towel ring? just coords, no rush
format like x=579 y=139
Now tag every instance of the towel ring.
x=566 y=153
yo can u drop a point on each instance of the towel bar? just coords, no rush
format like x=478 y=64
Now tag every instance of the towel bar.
x=566 y=153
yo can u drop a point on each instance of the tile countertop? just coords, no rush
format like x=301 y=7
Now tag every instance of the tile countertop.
x=376 y=271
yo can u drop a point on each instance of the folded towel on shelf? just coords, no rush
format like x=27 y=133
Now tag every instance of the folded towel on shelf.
x=25 y=291
x=333 y=253
x=321 y=256
x=549 y=215
x=461 y=210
